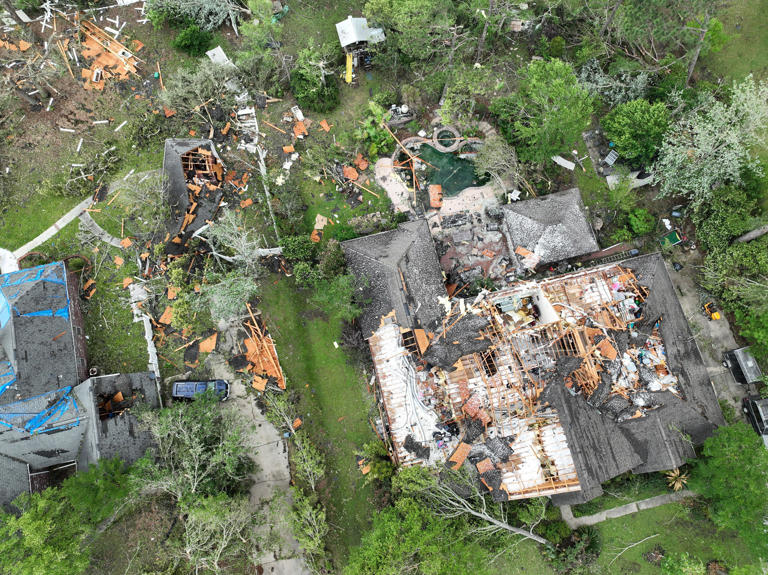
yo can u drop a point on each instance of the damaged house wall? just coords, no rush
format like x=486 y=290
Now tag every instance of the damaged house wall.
x=47 y=416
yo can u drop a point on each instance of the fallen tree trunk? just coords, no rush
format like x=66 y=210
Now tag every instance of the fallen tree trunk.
x=753 y=235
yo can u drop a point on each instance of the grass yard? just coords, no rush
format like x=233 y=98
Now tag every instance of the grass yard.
x=678 y=529
x=334 y=405
x=312 y=20
x=115 y=343
x=746 y=22
x=622 y=491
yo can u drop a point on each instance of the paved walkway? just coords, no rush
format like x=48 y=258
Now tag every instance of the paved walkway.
x=620 y=511
x=90 y=224
x=54 y=229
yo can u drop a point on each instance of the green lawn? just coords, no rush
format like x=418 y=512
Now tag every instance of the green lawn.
x=677 y=530
x=746 y=22
x=622 y=491
x=115 y=343
x=315 y=21
x=334 y=405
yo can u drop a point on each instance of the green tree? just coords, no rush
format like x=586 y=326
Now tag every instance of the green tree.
x=207 y=14
x=217 y=531
x=712 y=145
x=547 y=114
x=49 y=536
x=641 y=221
x=200 y=450
x=308 y=460
x=410 y=538
x=726 y=216
x=465 y=86
x=309 y=524
x=377 y=457
x=681 y=564
x=637 y=128
x=193 y=40
x=337 y=297
x=299 y=249
x=313 y=81
x=419 y=29
x=499 y=160
x=733 y=478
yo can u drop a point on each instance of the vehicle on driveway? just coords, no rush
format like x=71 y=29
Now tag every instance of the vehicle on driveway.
x=743 y=366
x=756 y=410
x=191 y=389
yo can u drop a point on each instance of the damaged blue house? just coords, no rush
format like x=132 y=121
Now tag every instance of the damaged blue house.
x=54 y=418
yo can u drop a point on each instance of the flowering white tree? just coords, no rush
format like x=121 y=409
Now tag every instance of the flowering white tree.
x=712 y=145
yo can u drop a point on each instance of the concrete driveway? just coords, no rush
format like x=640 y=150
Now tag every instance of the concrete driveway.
x=713 y=337
x=269 y=450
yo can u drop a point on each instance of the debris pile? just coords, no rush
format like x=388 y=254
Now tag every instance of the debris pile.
x=473 y=389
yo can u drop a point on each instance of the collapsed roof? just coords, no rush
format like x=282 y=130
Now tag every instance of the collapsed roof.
x=545 y=388
x=553 y=227
x=194 y=178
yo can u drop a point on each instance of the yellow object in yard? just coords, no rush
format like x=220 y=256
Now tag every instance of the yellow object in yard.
x=348 y=76
x=710 y=311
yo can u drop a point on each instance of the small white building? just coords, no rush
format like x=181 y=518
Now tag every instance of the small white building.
x=354 y=34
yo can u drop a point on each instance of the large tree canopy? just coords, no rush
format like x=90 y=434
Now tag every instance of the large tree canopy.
x=733 y=477
x=711 y=145
x=548 y=112
x=637 y=129
x=419 y=29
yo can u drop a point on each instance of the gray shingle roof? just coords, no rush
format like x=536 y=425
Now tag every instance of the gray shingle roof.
x=659 y=441
x=554 y=226
x=403 y=275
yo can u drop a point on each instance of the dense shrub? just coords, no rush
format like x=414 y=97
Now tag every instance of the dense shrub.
x=641 y=221
x=312 y=82
x=193 y=40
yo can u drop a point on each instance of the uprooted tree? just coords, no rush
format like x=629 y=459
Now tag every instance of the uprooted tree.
x=454 y=494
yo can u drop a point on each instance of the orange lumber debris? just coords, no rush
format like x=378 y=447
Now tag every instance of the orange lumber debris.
x=173 y=292
x=300 y=129
x=259 y=383
x=126 y=242
x=225 y=129
x=127 y=282
x=245 y=203
x=167 y=315
x=316 y=236
x=435 y=195
x=168 y=112
x=119 y=261
x=289 y=149
x=208 y=344
x=296 y=423
x=350 y=173
x=324 y=125
x=459 y=455
x=607 y=350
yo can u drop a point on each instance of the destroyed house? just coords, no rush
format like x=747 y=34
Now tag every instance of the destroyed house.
x=48 y=416
x=548 y=229
x=545 y=388
x=194 y=180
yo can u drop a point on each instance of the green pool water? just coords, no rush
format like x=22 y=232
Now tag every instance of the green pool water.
x=450 y=171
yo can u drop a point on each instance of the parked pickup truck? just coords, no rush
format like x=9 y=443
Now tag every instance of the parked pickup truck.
x=189 y=389
x=756 y=410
